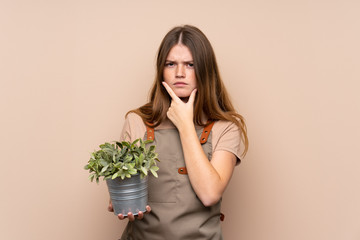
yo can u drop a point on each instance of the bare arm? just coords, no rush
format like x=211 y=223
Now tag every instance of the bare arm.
x=208 y=179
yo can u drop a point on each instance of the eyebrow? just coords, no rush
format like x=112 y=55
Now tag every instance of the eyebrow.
x=190 y=61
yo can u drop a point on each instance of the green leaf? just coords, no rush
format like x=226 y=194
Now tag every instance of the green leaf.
x=118 y=165
x=115 y=175
x=128 y=158
x=155 y=168
x=142 y=144
x=126 y=144
x=153 y=172
x=119 y=144
x=144 y=170
x=123 y=151
x=104 y=168
x=133 y=144
x=91 y=176
x=152 y=148
x=148 y=141
x=103 y=162
x=147 y=164
x=141 y=159
x=122 y=175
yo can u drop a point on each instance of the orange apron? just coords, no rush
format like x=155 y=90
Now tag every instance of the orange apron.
x=176 y=211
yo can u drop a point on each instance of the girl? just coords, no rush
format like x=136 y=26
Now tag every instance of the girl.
x=197 y=134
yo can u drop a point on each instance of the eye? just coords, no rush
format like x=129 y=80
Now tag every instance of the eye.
x=169 y=64
x=190 y=65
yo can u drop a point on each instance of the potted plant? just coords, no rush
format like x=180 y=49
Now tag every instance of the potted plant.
x=125 y=167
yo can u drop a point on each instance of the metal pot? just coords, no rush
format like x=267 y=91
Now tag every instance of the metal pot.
x=128 y=195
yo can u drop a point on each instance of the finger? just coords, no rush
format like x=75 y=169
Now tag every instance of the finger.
x=131 y=217
x=121 y=217
x=140 y=215
x=170 y=91
x=110 y=207
x=192 y=96
x=148 y=209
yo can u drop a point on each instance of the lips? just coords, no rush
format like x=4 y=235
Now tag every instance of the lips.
x=180 y=84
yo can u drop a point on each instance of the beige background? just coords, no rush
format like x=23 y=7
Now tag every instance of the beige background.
x=70 y=70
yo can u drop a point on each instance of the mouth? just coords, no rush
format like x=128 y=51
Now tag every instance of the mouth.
x=180 y=84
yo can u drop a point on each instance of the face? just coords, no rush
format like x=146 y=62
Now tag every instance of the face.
x=179 y=71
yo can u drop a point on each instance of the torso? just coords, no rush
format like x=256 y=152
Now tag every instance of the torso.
x=177 y=213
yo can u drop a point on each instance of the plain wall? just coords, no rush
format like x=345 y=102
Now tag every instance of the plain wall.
x=70 y=70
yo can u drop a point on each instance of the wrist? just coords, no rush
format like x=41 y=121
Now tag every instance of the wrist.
x=186 y=128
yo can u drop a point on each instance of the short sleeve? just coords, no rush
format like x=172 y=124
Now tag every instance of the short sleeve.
x=227 y=137
x=133 y=128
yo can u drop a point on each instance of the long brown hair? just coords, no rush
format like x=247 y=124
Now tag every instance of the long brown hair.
x=212 y=98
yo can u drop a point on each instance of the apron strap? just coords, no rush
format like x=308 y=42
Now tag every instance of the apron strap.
x=205 y=134
x=150 y=133
x=203 y=138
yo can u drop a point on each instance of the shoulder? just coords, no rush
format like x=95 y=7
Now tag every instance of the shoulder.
x=134 y=118
x=134 y=127
x=222 y=127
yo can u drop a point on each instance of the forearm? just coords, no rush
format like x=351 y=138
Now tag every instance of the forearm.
x=204 y=178
x=208 y=179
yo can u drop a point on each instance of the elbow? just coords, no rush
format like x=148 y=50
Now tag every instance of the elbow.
x=210 y=200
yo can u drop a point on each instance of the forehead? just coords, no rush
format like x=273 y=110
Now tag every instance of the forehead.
x=180 y=52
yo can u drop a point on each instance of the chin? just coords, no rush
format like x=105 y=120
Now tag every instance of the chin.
x=182 y=94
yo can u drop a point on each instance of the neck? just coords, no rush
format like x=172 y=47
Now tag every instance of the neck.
x=185 y=99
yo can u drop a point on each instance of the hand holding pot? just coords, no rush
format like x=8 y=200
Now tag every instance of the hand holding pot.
x=130 y=215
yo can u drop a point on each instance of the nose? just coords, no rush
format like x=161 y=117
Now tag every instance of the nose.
x=180 y=71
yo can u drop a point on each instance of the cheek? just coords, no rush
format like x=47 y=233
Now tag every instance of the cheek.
x=193 y=78
x=166 y=75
